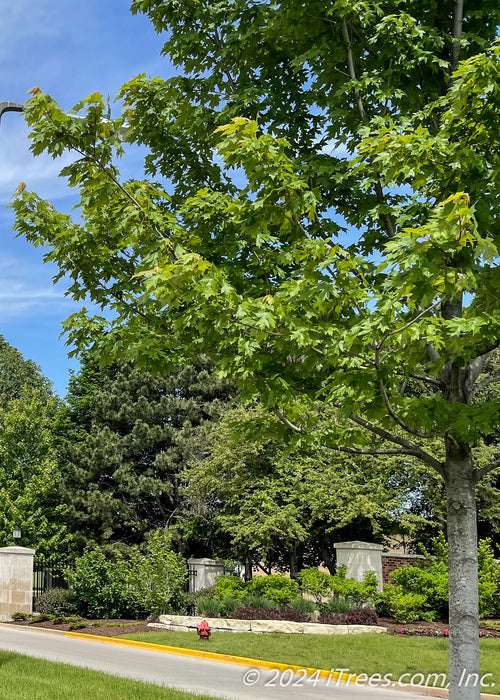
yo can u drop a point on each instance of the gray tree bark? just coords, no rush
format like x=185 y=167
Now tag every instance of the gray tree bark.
x=464 y=674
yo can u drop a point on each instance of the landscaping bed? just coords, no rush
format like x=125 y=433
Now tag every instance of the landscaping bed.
x=117 y=627
x=103 y=628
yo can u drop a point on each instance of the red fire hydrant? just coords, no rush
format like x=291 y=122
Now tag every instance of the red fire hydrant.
x=203 y=630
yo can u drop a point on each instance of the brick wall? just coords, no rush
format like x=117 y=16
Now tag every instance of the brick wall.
x=391 y=562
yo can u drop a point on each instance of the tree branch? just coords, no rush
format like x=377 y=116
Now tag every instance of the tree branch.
x=405 y=446
x=458 y=13
x=389 y=226
x=288 y=423
x=408 y=447
x=484 y=383
x=479 y=473
x=417 y=318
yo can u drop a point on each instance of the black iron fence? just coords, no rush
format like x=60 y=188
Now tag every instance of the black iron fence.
x=50 y=573
x=189 y=583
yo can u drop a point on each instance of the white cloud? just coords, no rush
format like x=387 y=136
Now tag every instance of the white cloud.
x=17 y=164
x=25 y=292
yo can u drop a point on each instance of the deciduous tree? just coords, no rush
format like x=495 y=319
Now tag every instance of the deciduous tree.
x=327 y=235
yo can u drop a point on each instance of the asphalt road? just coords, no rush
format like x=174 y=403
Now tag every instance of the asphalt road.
x=222 y=680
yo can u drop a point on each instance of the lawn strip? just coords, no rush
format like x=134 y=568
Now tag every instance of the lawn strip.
x=29 y=678
x=360 y=653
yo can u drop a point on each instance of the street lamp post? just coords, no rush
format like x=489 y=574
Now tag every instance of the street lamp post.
x=10 y=107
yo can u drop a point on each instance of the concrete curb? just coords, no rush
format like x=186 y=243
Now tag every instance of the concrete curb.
x=259 y=663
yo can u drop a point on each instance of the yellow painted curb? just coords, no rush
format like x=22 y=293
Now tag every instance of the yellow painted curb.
x=225 y=658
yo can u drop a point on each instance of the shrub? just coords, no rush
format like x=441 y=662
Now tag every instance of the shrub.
x=156 y=579
x=78 y=625
x=332 y=618
x=229 y=586
x=56 y=601
x=359 y=592
x=315 y=583
x=150 y=582
x=278 y=588
x=285 y=613
x=403 y=606
x=431 y=582
x=20 y=616
x=429 y=585
x=350 y=592
x=192 y=599
x=40 y=618
x=489 y=580
x=100 y=585
x=361 y=616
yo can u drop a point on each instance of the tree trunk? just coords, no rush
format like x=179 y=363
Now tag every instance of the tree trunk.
x=294 y=568
x=328 y=560
x=248 y=568
x=463 y=575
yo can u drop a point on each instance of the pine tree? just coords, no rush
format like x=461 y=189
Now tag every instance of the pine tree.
x=125 y=437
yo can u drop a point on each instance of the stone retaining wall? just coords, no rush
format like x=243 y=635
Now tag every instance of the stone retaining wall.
x=186 y=623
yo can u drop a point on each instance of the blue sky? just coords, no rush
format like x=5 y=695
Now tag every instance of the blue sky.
x=69 y=48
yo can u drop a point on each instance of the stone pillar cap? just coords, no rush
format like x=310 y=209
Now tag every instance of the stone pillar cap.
x=209 y=562
x=357 y=544
x=17 y=550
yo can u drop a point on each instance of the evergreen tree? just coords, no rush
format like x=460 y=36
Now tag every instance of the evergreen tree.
x=125 y=437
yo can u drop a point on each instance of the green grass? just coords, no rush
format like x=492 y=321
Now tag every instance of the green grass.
x=361 y=653
x=28 y=678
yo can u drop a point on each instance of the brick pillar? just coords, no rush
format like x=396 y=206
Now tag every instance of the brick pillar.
x=16 y=581
x=360 y=557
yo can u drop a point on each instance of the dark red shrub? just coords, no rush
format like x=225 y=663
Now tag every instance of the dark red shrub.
x=358 y=616
x=362 y=616
x=329 y=618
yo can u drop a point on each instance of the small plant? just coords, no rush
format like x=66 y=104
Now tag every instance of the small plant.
x=41 y=618
x=20 y=616
x=357 y=616
x=208 y=607
x=332 y=618
x=338 y=604
x=303 y=605
x=78 y=625
x=193 y=598
x=228 y=605
x=254 y=600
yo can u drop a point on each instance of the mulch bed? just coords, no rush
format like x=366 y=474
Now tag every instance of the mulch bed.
x=106 y=628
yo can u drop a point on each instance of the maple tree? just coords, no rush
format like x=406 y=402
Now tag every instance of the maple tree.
x=320 y=218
